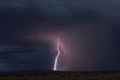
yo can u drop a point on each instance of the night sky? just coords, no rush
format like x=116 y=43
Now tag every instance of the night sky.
x=89 y=30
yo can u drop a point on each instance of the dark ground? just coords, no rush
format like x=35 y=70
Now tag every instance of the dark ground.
x=51 y=75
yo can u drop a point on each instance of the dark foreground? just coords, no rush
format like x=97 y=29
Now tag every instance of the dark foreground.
x=52 y=75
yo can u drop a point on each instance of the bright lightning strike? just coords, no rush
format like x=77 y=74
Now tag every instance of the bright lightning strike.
x=59 y=48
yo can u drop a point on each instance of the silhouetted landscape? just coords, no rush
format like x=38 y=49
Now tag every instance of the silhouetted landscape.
x=59 y=75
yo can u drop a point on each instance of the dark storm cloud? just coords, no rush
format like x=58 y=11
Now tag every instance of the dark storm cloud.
x=52 y=10
x=18 y=16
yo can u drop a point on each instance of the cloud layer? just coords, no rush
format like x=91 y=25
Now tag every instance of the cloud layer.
x=19 y=18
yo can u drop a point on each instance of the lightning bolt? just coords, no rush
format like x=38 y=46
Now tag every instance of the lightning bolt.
x=59 y=48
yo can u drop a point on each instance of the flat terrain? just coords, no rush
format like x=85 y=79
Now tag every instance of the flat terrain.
x=52 y=75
